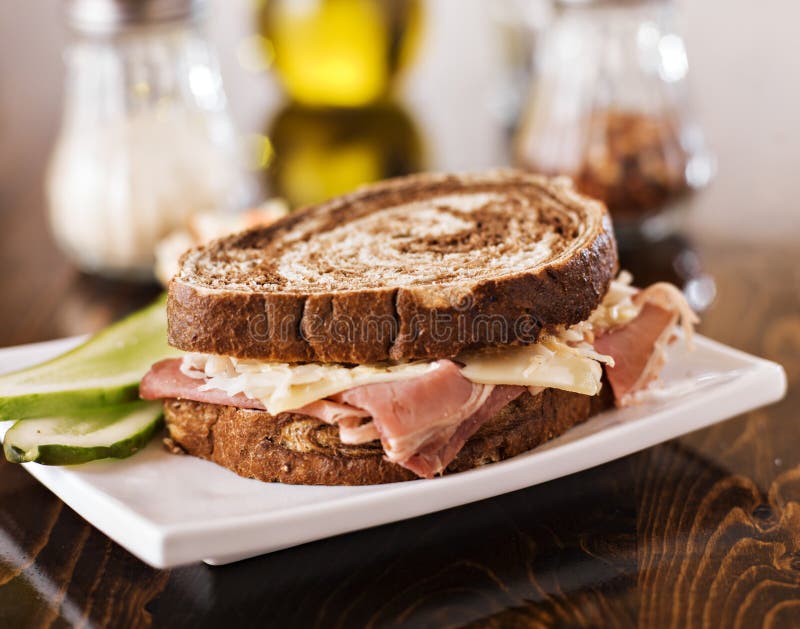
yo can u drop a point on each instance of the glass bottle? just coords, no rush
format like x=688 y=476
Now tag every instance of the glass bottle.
x=339 y=53
x=145 y=139
x=324 y=152
x=608 y=106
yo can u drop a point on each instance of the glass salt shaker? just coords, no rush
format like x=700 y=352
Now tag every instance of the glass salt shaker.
x=608 y=106
x=145 y=140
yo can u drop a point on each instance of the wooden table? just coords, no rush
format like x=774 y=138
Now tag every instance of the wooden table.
x=702 y=531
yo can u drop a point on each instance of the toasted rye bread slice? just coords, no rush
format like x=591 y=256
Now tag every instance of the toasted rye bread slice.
x=420 y=267
x=297 y=449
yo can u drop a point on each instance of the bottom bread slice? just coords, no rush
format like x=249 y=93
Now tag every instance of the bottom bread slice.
x=297 y=449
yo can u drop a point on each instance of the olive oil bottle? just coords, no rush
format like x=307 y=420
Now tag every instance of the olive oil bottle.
x=323 y=152
x=340 y=53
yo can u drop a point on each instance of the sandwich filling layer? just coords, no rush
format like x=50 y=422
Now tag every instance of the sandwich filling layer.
x=424 y=411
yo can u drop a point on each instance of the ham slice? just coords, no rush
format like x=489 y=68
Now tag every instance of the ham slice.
x=354 y=432
x=637 y=350
x=437 y=454
x=424 y=422
x=639 y=346
x=352 y=428
x=334 y=413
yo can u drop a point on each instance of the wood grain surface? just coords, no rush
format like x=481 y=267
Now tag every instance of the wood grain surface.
x=702 y=531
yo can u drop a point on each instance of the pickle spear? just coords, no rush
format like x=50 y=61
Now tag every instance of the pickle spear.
x=98 y=433
x=104 y=370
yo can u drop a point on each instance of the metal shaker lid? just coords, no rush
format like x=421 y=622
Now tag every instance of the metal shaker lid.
x=109 y=16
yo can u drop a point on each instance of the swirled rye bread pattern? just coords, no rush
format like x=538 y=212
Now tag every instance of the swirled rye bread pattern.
x=420 y=267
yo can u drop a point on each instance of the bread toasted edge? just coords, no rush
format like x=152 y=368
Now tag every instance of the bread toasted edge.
x=297 y=449
x=327 y=327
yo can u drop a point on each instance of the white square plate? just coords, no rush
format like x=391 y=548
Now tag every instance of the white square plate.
x=170 y=510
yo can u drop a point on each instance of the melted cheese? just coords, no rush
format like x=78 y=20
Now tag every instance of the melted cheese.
x=551 y=363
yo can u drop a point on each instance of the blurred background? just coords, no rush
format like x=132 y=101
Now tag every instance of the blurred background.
x=127 y=121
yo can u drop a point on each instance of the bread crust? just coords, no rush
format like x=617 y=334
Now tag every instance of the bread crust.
x=363 y=322
x=297 y=449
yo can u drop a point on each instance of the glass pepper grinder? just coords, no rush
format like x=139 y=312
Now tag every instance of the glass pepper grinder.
x=608 y=106
x=146 y=139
